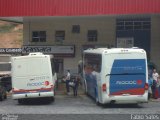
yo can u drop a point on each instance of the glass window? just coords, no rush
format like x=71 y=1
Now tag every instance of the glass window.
x=133 y=24
x=137 y=23
x=129 y=27
x=146 y=25
x=92 y=35
x=52 y=65
x=120 y=28
x=129 y=23
x=120 y=23
x=39 y=36
x=59 y=36
x=92 y=62
x=76 y=29
x=137 y=27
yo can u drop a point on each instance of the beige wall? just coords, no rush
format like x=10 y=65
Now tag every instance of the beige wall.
x=104 y=25
x=106 y=33
x=155 y=41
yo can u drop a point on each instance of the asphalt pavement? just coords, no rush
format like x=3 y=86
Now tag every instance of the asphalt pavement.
x=68 y=107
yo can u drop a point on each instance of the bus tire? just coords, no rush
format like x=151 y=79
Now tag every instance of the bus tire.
x=50 y=99
x=97 y=100
x=20 y=101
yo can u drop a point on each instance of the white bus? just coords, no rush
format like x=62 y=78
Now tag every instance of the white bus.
x=117 y=75
x=33 y=76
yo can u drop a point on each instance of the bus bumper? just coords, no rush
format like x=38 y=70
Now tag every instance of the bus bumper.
x=133 y=99
x=32 y=95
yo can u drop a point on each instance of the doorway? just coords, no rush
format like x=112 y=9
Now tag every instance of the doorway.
x=58 y=63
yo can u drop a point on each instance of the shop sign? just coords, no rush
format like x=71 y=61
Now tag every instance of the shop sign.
x=55 y=50
x=10 y=50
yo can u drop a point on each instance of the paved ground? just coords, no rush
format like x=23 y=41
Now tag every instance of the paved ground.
x=79 y=108
x=75 y=105
x=70 y=108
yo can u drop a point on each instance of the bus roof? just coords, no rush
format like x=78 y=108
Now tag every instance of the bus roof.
x=114 y=50
x=30 y=56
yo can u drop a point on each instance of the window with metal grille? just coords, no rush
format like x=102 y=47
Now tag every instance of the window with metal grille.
x=133 y=24
x=39 y=36
x=59 y=36
x=75 y=28
x=92 y=35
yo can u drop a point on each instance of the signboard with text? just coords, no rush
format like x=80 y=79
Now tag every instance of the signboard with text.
x=61 y=51
x=10 y=50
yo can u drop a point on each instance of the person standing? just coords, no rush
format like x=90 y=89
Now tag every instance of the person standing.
x=68 y=78
x=150 y=83
x=155 y=77
x=76 y=84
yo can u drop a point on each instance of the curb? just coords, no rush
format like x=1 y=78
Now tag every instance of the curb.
x=154 y=100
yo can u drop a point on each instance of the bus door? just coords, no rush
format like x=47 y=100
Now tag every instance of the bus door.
x=127 y=77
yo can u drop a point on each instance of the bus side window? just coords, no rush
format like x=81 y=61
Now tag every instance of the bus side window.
x=53 y=67
x=94 y=61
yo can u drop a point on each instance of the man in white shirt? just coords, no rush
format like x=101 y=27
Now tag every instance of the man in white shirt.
x=155 y=77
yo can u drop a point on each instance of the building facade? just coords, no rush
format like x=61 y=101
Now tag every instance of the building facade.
x=65 y=28
x=82 y=32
